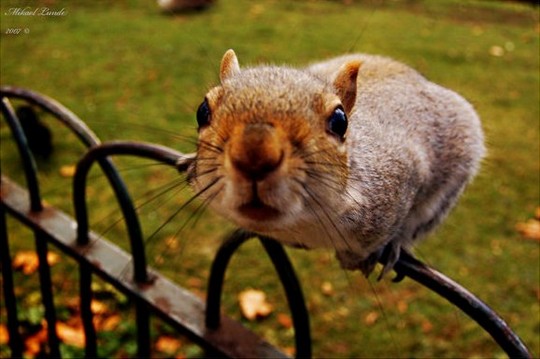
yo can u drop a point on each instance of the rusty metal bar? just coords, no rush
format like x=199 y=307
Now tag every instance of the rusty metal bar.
x=172 y=303
x=85 y=135
x=30 y=171
x=499 y=330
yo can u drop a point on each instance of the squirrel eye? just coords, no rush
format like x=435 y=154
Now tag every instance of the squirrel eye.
x=337 y=123
x=203 y=114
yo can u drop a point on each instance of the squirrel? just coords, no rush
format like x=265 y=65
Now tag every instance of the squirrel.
x=359 y=153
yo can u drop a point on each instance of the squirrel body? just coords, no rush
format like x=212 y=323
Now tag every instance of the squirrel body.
x=358 y=153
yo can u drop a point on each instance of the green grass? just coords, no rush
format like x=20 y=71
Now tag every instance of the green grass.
x=133 y=73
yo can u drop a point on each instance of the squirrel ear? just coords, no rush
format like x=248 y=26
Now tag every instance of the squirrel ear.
x=229 y=65
x=345 y=84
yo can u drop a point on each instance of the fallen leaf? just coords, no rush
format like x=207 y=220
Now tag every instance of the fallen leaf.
x=402 y=306
x=168 y=345
x=284 y=320
x=253 y=304
x=371 y=318
x=68 y=170
x=327 y=289
x=109 y=323
x=4 y=335
x=172 y=243
x=71 y=335
x=290 y=351
x=537 y=213
x=427 y=326
x=529 y=229
x=496 y=51
x=28 y=261
x=98 y=307
x=35 y=342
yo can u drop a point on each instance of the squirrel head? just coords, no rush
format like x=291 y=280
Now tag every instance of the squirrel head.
x=272 y=144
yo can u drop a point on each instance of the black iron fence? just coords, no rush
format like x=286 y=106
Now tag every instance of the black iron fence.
x=152 y=293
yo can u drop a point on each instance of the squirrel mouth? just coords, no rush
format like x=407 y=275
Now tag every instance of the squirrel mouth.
x=258 y=211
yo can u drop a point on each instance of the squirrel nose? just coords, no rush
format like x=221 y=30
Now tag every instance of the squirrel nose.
x=257 y=152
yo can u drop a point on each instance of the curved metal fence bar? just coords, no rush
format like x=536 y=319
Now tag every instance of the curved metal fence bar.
x=99 y=154
x=287 y=276
x=62 y=113
x=27 y=159
x=88 y=138
x=217 y=276
x=492 y=323
x=30 y=171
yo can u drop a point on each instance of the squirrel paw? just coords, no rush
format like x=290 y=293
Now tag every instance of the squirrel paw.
x=387 y=255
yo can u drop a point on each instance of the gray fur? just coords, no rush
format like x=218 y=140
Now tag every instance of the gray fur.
x=411 y=148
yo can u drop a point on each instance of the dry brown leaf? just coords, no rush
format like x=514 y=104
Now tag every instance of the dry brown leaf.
x=496 y=51
x=371 y=318
x=327 y=289
x=28 y=261
x=537 y=213
x=253 y=304
x=290 y=351
x=172 y=243
x=427 y=326
x=168 y=345
x=529 y=229
x=71 y=335
x=98 y=307
x=284 y=320
x=110 y=323
x=35 y=342
x=402 y=306
x=68 y=171
x=4 y=335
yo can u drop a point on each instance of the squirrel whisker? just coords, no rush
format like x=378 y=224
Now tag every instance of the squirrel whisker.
x=330 y=220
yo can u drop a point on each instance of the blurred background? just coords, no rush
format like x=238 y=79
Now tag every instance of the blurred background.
x=137 y=70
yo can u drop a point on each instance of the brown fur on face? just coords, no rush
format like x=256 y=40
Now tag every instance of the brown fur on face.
x=266 y=141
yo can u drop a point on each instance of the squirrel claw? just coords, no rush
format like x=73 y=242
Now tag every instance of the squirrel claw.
x=387 y=255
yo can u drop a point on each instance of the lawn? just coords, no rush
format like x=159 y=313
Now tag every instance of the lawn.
x=132 y=72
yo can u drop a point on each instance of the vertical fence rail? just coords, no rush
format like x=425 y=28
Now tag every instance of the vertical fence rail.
x=44 y=270
x=15 y=340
